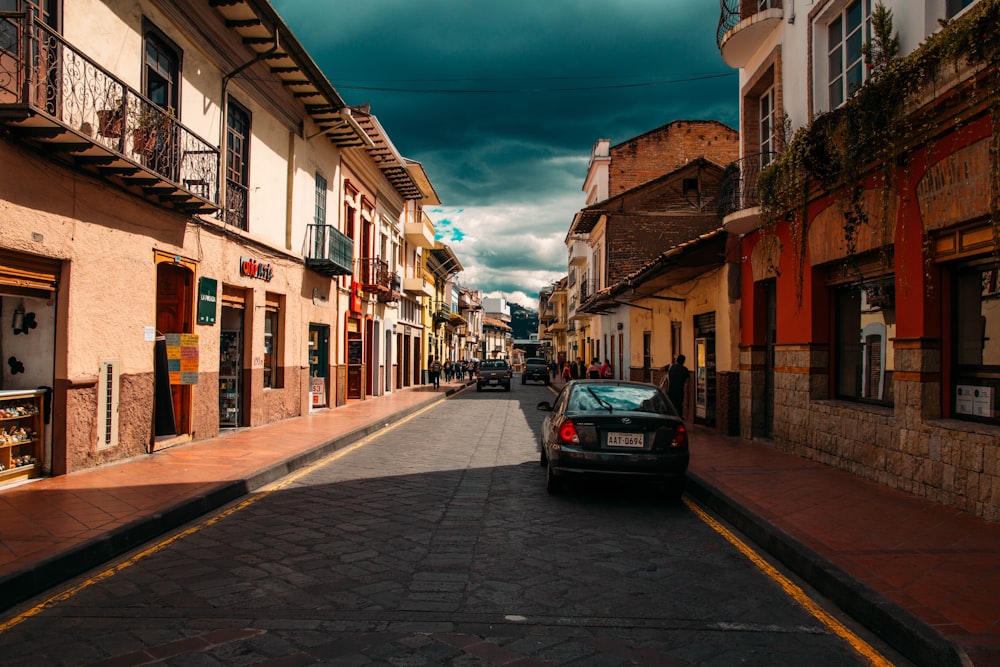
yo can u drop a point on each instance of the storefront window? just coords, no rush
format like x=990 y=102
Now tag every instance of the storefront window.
x=272 y=343
x=977 y=342
x=865 y=327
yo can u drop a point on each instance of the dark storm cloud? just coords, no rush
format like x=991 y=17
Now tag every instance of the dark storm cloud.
x=502 y=102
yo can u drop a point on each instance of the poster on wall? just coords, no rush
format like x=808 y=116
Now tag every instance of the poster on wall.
x=182 y=358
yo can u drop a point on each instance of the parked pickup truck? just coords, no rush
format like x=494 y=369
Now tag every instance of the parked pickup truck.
x=493 y=373
x=535 y=369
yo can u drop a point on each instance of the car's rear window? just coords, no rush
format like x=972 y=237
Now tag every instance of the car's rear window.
x=535 y=361
x=494 y=363
x=598 y=396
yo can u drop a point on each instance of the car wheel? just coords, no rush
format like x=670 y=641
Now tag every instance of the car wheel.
x=479 y=387
x=553 y=484
x=523 y=380
x=506 y=387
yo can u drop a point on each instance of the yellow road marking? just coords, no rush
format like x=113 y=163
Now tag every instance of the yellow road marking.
x=794 y=591
x=162 y=544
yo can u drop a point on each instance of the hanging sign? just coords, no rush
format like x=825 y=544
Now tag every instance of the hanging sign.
x=206 y=300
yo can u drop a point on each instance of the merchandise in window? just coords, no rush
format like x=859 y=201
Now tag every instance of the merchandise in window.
x=865 y=321
x=271 y=333
x=845 y=34
x=976 y=325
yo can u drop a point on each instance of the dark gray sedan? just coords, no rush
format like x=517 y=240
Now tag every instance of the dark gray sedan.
x=607 y=427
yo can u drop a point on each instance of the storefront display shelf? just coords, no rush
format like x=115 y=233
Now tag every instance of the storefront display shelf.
x=22 y=434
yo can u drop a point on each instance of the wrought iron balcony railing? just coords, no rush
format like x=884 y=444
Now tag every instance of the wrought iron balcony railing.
x=374 y=274
x=236 y=213
x=329 y=252
x=739 y=183
x=733 y=11
x=58 y=99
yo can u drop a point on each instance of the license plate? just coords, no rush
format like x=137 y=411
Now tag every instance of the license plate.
x=493 y=381
x=625 y=440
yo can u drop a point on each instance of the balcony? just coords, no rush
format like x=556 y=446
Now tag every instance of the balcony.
x=329 y=253
x=587 y=289
x=418 y=286
x=739 y=199
x=420 y=231
x=440 y=312
x=744 y=25
x=56 y=99
x=578 y=253
x=374 y=275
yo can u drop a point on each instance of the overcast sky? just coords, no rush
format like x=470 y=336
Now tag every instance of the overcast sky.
x=502 y=103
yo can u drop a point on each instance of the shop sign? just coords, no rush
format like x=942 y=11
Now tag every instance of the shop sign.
x=317 y=387
x=182 y=358
x=207 y=288
x=355 y=297
x=255 y=269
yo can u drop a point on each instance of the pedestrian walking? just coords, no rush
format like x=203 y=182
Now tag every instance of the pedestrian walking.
x=674 y=380
x=607 y=372
x=578 y=369
x=435 y=373
x=594 y=370
x=553 y=369
x=567 y=371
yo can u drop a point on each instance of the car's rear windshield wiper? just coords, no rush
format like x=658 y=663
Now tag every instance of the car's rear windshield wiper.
x=604 y=404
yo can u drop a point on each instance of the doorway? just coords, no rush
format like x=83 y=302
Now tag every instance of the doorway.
x=174 y=315
x=319 y=364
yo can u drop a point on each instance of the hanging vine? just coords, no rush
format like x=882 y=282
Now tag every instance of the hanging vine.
x=872 y=133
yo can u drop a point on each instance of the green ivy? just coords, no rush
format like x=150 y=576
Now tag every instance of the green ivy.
x=871 y=132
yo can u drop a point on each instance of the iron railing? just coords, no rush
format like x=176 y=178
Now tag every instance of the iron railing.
x=373 y=274
x=40 y=70
x=328 y=251
x=739 y=183
x=733 y=11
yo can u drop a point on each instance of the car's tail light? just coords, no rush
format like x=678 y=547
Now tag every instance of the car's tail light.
x=567 y=432
x=680 y=439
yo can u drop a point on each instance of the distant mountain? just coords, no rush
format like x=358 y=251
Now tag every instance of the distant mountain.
x=523 y=321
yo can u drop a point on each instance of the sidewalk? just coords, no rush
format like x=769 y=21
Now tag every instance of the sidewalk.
x=924 y=577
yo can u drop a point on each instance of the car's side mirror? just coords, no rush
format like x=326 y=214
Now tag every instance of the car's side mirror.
x=545 y=406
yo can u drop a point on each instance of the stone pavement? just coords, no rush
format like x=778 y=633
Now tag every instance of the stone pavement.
x=924 y=577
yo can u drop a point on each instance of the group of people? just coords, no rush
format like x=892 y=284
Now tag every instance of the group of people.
x=453 y=370
x=594 y=371
x=673 y=377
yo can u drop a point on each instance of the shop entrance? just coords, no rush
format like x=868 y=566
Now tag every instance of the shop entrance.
x=28 y=340
x=174 y=315
x=319 y=364
x=231 y=364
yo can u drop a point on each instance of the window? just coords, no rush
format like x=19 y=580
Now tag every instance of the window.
x=766 y=118
x=976 y=325
x=272 y=342
x=161 y=70
x=237 y=165
x=865 y=325
x=845 y=33
x=955 y=6
x=320 y=214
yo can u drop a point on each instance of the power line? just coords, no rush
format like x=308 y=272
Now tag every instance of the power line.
x=474 y=91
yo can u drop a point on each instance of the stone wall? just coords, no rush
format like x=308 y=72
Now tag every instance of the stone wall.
x=953 y=462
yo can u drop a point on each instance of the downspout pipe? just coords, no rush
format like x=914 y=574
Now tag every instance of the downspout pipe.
x=223 y=124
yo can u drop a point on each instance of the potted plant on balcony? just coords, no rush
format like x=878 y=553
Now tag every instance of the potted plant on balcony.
x=109 y=121
x=151 y=124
